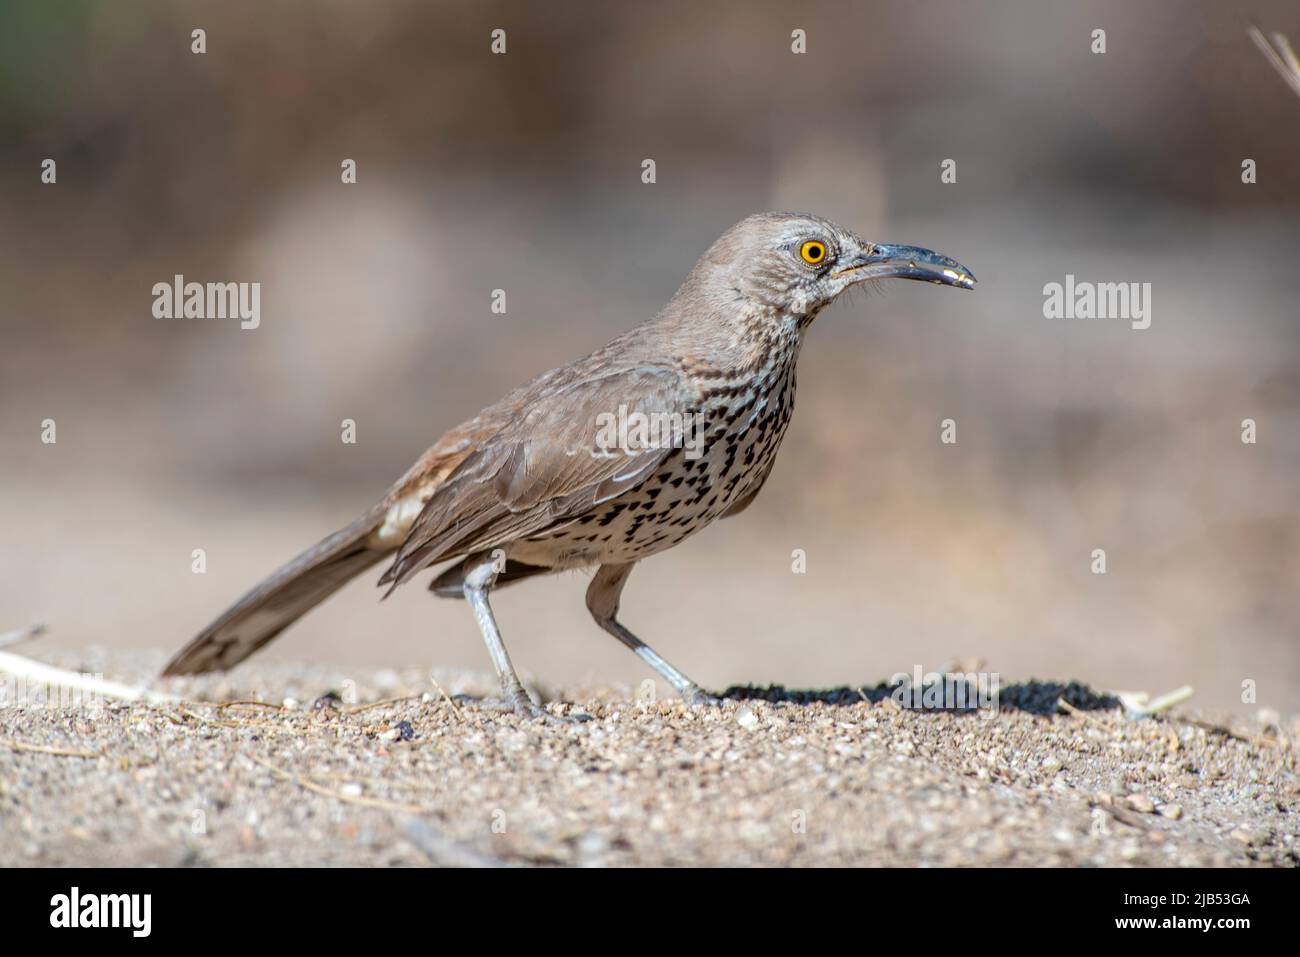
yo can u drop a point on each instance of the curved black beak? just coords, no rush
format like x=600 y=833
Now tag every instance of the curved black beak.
x=889 y=261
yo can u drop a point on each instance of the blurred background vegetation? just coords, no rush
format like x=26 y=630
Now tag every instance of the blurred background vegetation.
x=522 y=172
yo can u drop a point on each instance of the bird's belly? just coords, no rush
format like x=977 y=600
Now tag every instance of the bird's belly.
x=680 y=498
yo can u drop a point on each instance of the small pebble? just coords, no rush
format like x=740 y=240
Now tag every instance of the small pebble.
x=1141 y=803
x=327 y=702
x=402 y=731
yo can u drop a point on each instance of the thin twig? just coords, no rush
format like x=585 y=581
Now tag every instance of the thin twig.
x=240 y=724
x=451 y=703
x=1064 y=705
x=337 y=795
x=1283 y=59
x=1138 y=704
x=1258 y=740
x=46 y=749
x=1122 y=814
x=21 y=634
x=358 y=708
x=250 y=704
x=40 y=673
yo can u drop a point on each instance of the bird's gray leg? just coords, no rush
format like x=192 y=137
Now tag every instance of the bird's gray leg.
x=479 y=578
x=602 y=601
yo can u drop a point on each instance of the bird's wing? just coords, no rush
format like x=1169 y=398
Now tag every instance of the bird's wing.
x=552 y=461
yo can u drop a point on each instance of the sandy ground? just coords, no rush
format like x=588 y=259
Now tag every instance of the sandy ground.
x=435 y=777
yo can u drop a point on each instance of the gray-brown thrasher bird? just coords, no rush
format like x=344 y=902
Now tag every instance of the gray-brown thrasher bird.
x=540 y=482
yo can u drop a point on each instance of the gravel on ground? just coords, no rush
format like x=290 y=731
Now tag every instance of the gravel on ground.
x=301 y=765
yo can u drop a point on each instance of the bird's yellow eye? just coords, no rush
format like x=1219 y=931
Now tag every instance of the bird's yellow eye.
x=812 y=252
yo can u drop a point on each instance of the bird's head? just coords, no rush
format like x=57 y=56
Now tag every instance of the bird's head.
x=797 y=263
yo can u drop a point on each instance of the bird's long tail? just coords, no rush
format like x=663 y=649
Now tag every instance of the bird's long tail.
x=282 y=598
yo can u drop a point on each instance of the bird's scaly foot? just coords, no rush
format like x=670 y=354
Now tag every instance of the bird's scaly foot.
x=696 y=696
x=518 y=701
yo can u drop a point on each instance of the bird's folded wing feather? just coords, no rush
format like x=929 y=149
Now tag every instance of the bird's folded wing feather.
x=550 y=463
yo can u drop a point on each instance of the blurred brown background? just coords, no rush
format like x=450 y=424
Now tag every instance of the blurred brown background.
x=522 y=172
